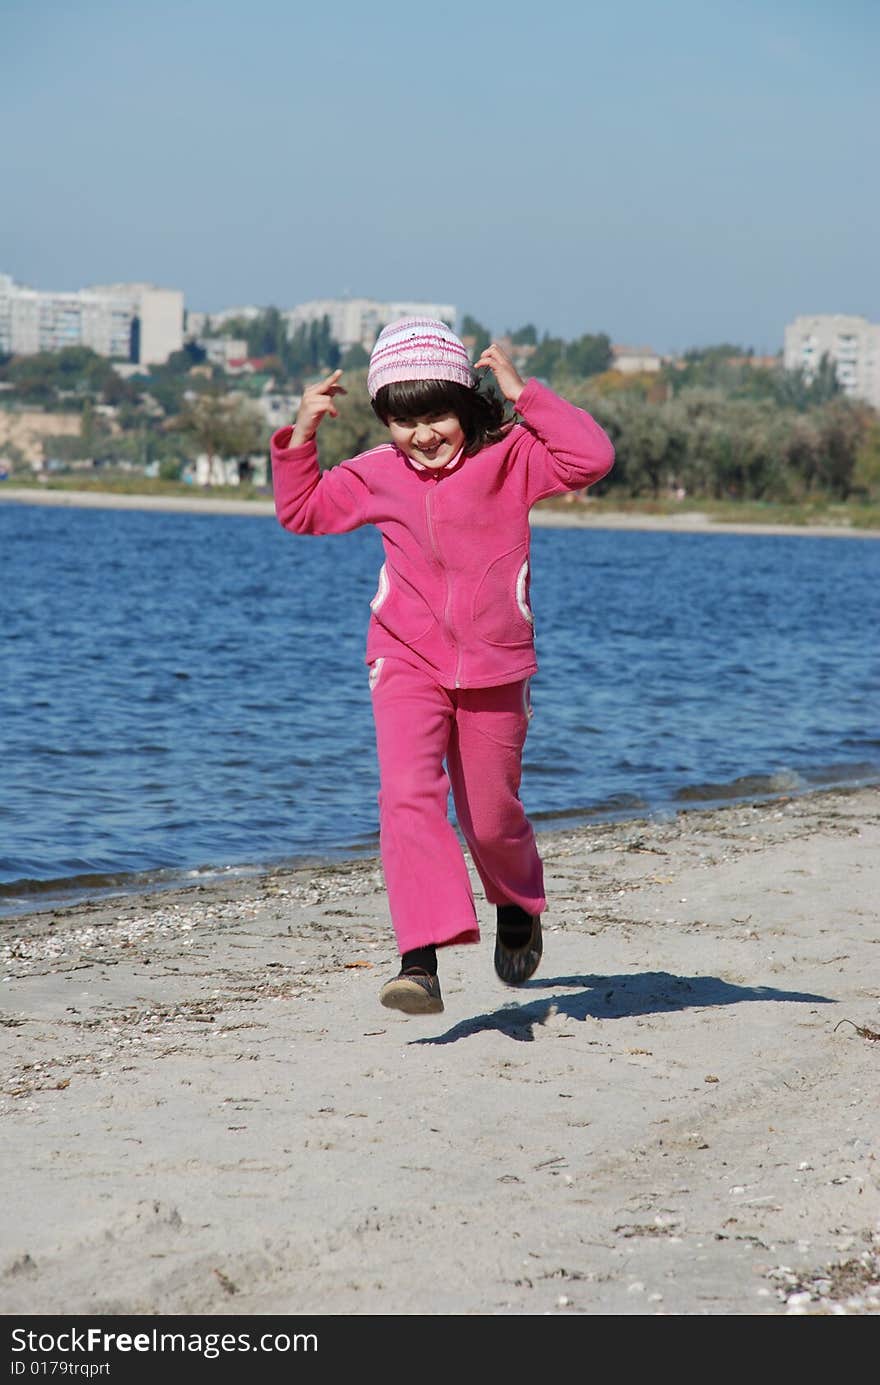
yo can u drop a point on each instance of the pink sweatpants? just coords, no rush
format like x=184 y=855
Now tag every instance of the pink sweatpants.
x=480 y=733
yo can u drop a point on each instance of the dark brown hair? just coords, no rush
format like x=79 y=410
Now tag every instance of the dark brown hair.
x=480 y=411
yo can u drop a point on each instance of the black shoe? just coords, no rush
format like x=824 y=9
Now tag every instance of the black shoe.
x=413 y=991
x=517 y=954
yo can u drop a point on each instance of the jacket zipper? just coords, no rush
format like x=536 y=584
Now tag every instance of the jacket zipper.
x=447 y=621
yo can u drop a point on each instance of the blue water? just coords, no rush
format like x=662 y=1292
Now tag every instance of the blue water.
x=182 y=692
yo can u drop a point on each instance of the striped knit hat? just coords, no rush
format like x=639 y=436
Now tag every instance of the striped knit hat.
x=417 y=348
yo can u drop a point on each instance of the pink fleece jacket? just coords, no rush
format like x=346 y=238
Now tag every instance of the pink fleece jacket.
x=453 y=594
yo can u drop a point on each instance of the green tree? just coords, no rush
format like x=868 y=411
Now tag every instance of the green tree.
x=709 y=367
x=118 y=392
x=235 y=327
x=171 y=468
x=825 y=385
x=470 y=327
x=14 y=458
x=169 y=393
x=842 y=427
x=355 y=358
x=169 y=387
x=649 y=444
x=357 y=428
x=94 y=442
x=525 y=336
x=325 y=349
x=51 y=377
x=65 y=447
x=89 y=428
x=546 y=359
x=266 y=335
x=311 y=348
x=866 y=472
x=181 y=362
x=556 y=360
x=588 y=355
x=222 y=426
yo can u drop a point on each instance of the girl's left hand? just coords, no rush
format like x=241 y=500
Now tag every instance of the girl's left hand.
x=510 y=382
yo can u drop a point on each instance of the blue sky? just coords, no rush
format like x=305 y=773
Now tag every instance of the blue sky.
x=672 y=173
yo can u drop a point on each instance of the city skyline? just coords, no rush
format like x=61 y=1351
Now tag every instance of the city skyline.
x=146 y=324
x=676 y=176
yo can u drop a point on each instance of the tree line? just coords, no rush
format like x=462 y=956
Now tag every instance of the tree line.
x=704 y=443
x=715 y=423
x=711 y=431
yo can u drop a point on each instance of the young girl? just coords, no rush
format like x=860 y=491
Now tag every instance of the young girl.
x=450 y=646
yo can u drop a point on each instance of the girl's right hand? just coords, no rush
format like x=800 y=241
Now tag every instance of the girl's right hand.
x=317 y=401
x=510 y=382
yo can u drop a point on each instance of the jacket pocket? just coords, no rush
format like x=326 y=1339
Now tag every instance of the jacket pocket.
x=375 y=673
x=382 y=589
x=400 y=608
x=502 y=614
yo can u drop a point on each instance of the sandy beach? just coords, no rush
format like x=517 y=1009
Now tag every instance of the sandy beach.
x=207 y=1111
x=571 y=516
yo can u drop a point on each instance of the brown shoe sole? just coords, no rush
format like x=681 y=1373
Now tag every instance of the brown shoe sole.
x=412 y=996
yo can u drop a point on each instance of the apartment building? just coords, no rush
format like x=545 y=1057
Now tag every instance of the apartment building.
x=359 y=320
x=157 y=319
x=131 y=322
x=852 y=343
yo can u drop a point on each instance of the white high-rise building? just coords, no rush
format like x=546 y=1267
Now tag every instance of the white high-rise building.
x=357 y=321
x=32 y=321
x=852 y=343
x=157 y=316
x=125 y=321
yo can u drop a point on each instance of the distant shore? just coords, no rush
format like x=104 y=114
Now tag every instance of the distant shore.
x=576 y=516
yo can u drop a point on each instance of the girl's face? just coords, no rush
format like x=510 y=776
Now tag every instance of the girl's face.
x=432 y=440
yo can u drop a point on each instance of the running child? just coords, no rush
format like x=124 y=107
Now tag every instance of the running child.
x=450 y=643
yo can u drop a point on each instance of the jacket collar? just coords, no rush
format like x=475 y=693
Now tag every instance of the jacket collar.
x=437 y=470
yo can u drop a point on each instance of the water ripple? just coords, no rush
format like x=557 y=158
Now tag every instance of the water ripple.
x=187 y=692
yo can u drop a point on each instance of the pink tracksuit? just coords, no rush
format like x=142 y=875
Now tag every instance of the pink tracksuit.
x=450 y=647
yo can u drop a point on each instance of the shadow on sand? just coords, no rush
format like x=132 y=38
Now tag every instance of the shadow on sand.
x=612 y=998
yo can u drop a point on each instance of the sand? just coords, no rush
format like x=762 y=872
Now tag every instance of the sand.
x=205 y=1109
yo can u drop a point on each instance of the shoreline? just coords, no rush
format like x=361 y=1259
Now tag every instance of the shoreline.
x=690 y=522
x=207 y=1111
x=49 y=896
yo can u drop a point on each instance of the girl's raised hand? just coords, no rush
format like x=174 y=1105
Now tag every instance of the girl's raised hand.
x=510 y=382
x=317 y=401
